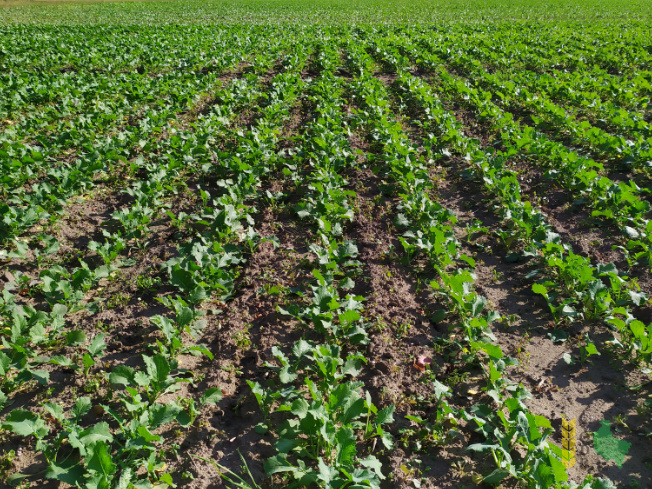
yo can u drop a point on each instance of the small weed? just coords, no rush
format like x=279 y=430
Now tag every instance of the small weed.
x=242 y=338
x=521 y=354
x=402 y=329
x=147 y=282
x=120 y=299
x=6 y=464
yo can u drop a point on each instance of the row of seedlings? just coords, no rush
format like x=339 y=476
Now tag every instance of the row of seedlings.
x=508 y=425
x=315 y=407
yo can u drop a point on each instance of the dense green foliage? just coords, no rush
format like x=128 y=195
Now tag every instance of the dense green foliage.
x=202 y=12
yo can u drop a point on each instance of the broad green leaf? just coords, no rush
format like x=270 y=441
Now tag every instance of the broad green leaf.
x=122 y=374
x=374 y=464
x=147 y=435
x=97 y=433
x=277 y=464
x=385 y=415
x=300 y=408
x=345 y=448
x=284 y=445
x=558 y=469
x=97 y=344
x=56 y=410
x=160 y=414
x=184 y=419
x=16 y=479
x=158 y=368
x=440 y=389
x=326 y=473
x=496 y=476
x=25 y=423
x=41 y=376
x=539 y=289
x=75 y=338
x=353 y=408
x=211 y=396
x=100 y=460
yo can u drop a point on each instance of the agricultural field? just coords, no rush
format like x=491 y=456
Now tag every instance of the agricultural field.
x=325 y=244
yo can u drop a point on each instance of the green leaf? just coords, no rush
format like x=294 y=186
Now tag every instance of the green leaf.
x=345 y=447
x=326 y=473
x=600 y=483
x=184 y=419
x=591 y=349
x=16 y=479
x=284 y=445
x=147 y=435
x=494 y=351
x=72 y=474
x=87 y=361
x=97 y=344
x=400 y=221
x=300 y=408
x=160 y=414
x=638 y=298
x=198 y=294
x=198 y=350
x=122 y=374
x=558 y=336
x=374 y=464
x=387 y=440
x=543 y=474
x=56 y=410
x=353 y=408
x=349 y=317
x=541 y=422
x=25 y=423
x=496 y=476
x=182 y=279
x=81 y=407
x=482 y=447
x=100 y=460
x=385 y=415
x=352 y=366
x=75 y=338
x=301 y=348
x=41 y=376
x=278 y=463
x=58 y=310
x=440 y=389
x=158 y=368
x=142 y=379
x=539 y=289
x=211 y=396
x=125 y=479
x=558 y=469
x=631 y=232
x=97 y=433
x=438 y=316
